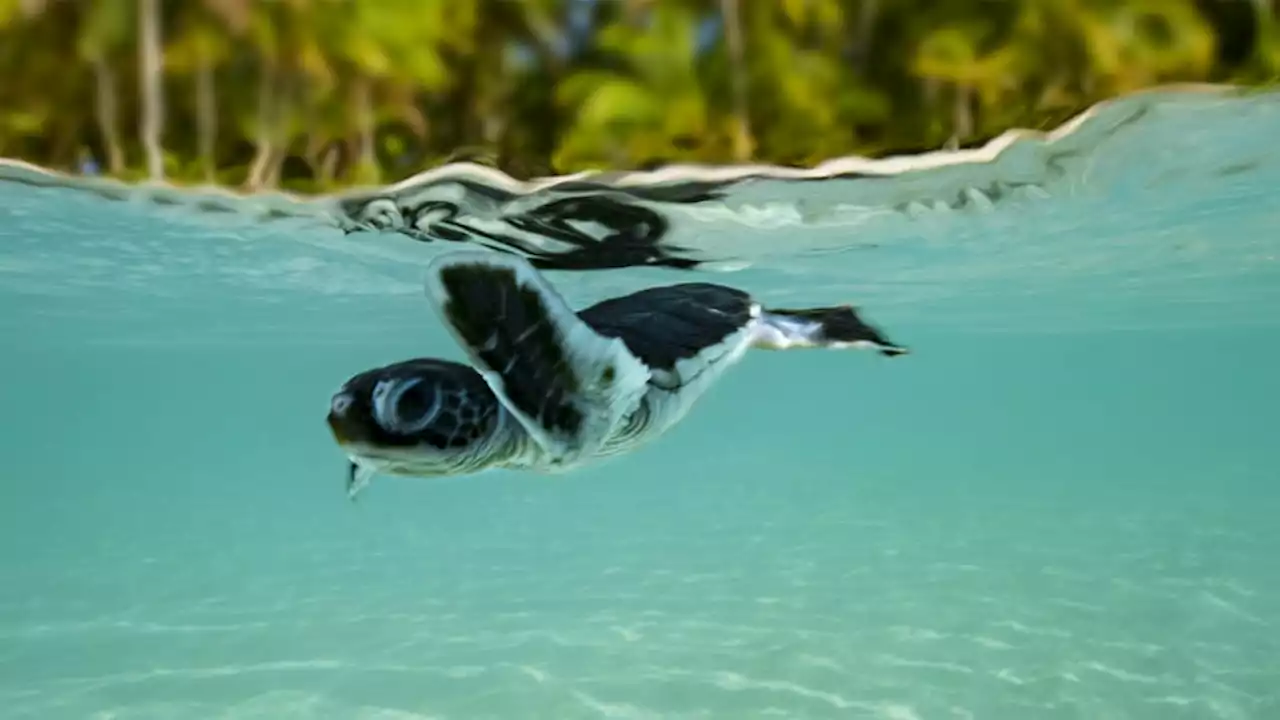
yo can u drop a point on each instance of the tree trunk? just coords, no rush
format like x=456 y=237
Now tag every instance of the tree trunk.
x=152 y=97
x=267 y=120
x=963 y=121
x=367 y=158
x=31 y=8
x=276 y=167
x=869 y=11
x=108 y=112
x=328 y=165
x=290 y=96
x=742 y=141
x=206 y=118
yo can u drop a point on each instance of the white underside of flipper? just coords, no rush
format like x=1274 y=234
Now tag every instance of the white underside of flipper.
x=692 y=377
x=598 y=378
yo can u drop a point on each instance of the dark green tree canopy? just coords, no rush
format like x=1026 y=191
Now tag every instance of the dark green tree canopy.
x=317 y=94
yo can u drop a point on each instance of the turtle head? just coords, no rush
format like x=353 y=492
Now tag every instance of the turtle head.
x=420 y=417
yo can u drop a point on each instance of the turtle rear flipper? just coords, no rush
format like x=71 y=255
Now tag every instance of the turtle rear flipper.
x=826 y=327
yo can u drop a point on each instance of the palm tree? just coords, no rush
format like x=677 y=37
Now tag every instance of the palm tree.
x=817 y=99
x=104 y=29
x=742 y=143
x=150 y=69
x=388 y=60
x=642 y=97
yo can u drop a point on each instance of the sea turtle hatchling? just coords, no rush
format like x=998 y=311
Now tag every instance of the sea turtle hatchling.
x=550 y=389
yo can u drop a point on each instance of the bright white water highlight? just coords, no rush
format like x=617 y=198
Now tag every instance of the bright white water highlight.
x=1062 y=505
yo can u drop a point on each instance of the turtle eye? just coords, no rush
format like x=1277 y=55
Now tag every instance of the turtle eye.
x=414 y=402
x=405 y=406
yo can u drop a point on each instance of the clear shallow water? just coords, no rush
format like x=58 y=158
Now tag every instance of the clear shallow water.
x=1062 y=505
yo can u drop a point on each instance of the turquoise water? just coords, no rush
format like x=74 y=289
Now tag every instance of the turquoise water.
x=1062 y=505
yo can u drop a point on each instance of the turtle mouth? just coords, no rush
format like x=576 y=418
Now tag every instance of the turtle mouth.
x=340 y=430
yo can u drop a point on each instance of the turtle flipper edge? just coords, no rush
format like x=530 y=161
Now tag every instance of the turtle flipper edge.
x=568 y=385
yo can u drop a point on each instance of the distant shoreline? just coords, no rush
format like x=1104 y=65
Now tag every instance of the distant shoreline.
x=21 y=171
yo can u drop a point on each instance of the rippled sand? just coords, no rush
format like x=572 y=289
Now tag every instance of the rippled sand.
x=1013 y=612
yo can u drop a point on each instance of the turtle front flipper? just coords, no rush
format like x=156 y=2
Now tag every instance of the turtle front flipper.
x=565 y=383
x=358 y=476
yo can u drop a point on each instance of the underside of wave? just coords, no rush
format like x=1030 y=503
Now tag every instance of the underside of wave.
x=686 y=217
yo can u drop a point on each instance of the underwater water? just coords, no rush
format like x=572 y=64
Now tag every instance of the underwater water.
x=1062 y=504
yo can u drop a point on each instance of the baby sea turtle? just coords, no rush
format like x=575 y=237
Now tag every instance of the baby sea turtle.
x=550 y=389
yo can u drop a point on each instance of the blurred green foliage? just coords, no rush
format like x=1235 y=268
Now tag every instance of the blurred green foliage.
x=317 y=94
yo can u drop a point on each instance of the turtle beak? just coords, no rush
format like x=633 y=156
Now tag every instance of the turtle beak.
x=341 y=424
x=338 y=429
